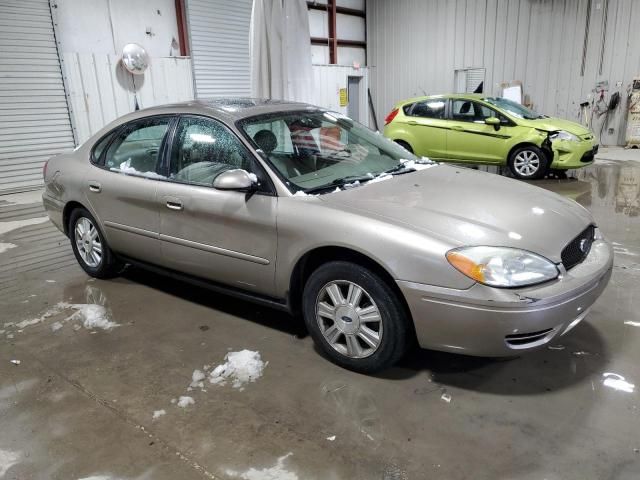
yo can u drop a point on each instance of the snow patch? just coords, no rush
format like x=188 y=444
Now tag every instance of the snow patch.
x=7 y=460
x=55 y=310
x=633 y=324
x=92 y=316
x=240 y=368
x=277 y=472
x=184 y=402
x=15 y=224
x=6 y=246
x=446 y=397
x=125 y=167
x=331 y=438
x=158 y=413
x=197 y=378
x=617 y=382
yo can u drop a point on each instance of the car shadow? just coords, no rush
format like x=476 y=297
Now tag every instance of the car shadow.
x=564 y=363
x=263 y=315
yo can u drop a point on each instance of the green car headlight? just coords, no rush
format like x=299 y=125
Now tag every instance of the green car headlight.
x=502 y=266
x=564 y=135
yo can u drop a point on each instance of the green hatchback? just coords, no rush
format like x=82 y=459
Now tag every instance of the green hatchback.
x=472 y=128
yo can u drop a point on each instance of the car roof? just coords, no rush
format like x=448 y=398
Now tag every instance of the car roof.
x=464 y=96
x=234 y=108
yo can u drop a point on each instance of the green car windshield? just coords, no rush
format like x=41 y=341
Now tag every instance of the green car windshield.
x=316 y=150
x=513 y=108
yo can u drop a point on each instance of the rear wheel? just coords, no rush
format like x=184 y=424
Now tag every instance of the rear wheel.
x=355 y=318
x=90 y=247
x=404 y=145
x=528 y=163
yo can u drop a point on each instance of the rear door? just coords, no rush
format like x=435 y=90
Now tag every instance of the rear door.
x=428 y=125
x=225 y=236
x=122 y=184
x=470 y=139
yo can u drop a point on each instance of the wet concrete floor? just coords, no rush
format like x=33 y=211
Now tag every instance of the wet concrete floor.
x=80 y=403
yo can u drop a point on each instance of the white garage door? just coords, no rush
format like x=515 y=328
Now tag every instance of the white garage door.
x=219 y=36
x=34 y=117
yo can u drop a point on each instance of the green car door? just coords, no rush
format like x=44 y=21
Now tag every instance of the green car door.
x=471 y=139
x=425 y=128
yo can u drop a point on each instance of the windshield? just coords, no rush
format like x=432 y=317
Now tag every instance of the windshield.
x=513 y=108
x=316 y=150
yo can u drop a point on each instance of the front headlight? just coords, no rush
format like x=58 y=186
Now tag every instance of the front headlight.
x=502 y=266
x=564 y=135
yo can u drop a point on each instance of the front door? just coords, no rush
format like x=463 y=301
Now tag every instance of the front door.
x=470 y=139
x=121 y=187
x=225 y=236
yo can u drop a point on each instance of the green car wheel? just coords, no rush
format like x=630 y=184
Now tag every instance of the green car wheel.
x=528 y=163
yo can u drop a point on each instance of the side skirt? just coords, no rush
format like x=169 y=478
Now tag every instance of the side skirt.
x=279 y=304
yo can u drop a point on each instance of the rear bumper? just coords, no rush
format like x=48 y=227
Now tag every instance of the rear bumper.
x=487 y=321
x=54 y=209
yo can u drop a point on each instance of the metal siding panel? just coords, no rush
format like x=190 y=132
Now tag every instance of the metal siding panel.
x=219 y=36
x=34 y=114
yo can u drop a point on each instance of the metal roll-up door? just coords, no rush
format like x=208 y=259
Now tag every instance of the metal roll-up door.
x=219 y=40
x=34 y=115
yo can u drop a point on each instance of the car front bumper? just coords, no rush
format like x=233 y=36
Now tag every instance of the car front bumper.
x=493 y=322
x=568 y=154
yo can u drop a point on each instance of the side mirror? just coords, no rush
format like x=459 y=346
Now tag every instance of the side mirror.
x=493 y=121
x=236 y=179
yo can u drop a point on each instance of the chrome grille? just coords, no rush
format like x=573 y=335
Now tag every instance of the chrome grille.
x=578 y=248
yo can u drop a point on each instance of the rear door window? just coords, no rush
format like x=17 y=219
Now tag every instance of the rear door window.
x=136 y=148
x=429 y=109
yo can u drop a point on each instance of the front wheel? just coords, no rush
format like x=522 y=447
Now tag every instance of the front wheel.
x=90 y=247
x=355 y=318
x=528 y=163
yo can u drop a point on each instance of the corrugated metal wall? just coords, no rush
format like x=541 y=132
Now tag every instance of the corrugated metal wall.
x=34 y=117
x=327 y=82
x=415 y=46
x=219 y=39
x=101 y=91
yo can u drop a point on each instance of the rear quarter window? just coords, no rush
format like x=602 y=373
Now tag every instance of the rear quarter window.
x=99 y=148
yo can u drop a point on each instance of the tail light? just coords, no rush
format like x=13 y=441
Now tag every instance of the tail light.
x=44 y=169
x=392 y=114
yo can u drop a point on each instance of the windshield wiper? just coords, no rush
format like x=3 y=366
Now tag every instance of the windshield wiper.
x=340 y=182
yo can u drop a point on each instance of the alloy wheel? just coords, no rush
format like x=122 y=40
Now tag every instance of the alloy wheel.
x=349 y=319
x=88 y=242
x=526 y=163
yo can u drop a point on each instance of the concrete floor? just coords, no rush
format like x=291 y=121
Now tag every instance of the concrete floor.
x=80 y=403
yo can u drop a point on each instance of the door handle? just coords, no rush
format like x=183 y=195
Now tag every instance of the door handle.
x=174 y=205
x=412 y=122
x=95 y=187
x=457 y=127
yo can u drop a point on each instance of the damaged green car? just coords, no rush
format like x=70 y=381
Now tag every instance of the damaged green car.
x=473 y=128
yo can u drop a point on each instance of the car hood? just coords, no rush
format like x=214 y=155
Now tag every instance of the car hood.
x=466 y=207
x=551 y=124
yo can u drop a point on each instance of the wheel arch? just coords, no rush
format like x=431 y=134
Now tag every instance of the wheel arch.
x=318 y=256
x=66 y=213
x=529 y=143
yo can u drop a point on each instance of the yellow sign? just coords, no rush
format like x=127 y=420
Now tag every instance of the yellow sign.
x=344 y=100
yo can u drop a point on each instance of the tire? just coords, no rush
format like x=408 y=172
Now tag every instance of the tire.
x=528 y=163
x=90 y=247
x=379 y=344
x=404 y=145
